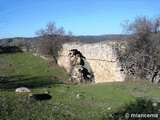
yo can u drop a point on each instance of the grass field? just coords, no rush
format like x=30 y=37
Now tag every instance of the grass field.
x=68 y=101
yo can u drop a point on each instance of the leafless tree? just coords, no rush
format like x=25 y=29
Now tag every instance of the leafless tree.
x=50 y=39
x=142 y=54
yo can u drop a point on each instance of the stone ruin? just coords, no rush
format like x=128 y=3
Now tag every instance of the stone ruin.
x=96 y=62
x=80 y=69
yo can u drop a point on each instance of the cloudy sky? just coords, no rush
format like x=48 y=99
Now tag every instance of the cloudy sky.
x=21 y=18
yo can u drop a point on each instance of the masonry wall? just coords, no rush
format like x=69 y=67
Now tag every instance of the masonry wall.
x=101 y=58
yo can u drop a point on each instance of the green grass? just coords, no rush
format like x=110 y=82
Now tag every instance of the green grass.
x=95 y=101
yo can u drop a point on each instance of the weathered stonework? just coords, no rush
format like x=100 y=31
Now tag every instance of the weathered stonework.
x=101 y=57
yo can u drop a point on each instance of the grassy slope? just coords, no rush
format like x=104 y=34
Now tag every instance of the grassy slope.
x=95 y=101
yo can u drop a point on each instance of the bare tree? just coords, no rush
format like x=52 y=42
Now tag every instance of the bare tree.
x=61 y=31
x=142 y=54
x=50 y=40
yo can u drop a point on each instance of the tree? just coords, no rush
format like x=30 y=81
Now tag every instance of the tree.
x=142 y=55
x=50 y=39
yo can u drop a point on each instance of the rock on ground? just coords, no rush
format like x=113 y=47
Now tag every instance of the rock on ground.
x=23 y=90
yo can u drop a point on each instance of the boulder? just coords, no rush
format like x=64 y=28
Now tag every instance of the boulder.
x=23 y=90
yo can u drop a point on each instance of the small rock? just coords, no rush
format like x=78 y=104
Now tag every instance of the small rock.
x=112 y=115
x=91 y=98
x=47 y=91
x=70 y=79
x=154 y=104
x=23 y=90
x=78 y=96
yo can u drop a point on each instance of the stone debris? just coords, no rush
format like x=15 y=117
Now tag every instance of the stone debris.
x=78 y=96
x=46 y=91
x=70 y=79
x=154 y=104
x=112 y=115
x=109 y=108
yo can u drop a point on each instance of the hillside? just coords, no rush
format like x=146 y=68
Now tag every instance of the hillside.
x=88 y=39
x=68 y=101
x=95 y=39
x=33 y=71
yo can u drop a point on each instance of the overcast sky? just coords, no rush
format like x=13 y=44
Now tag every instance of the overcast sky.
x=21 y=18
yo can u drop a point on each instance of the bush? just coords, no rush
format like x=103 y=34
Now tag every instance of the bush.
x=142 y=53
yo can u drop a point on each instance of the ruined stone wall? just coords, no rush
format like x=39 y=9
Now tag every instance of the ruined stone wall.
x=100 y=56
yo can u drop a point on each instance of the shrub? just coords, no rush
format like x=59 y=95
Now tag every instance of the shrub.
x=142 y=53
